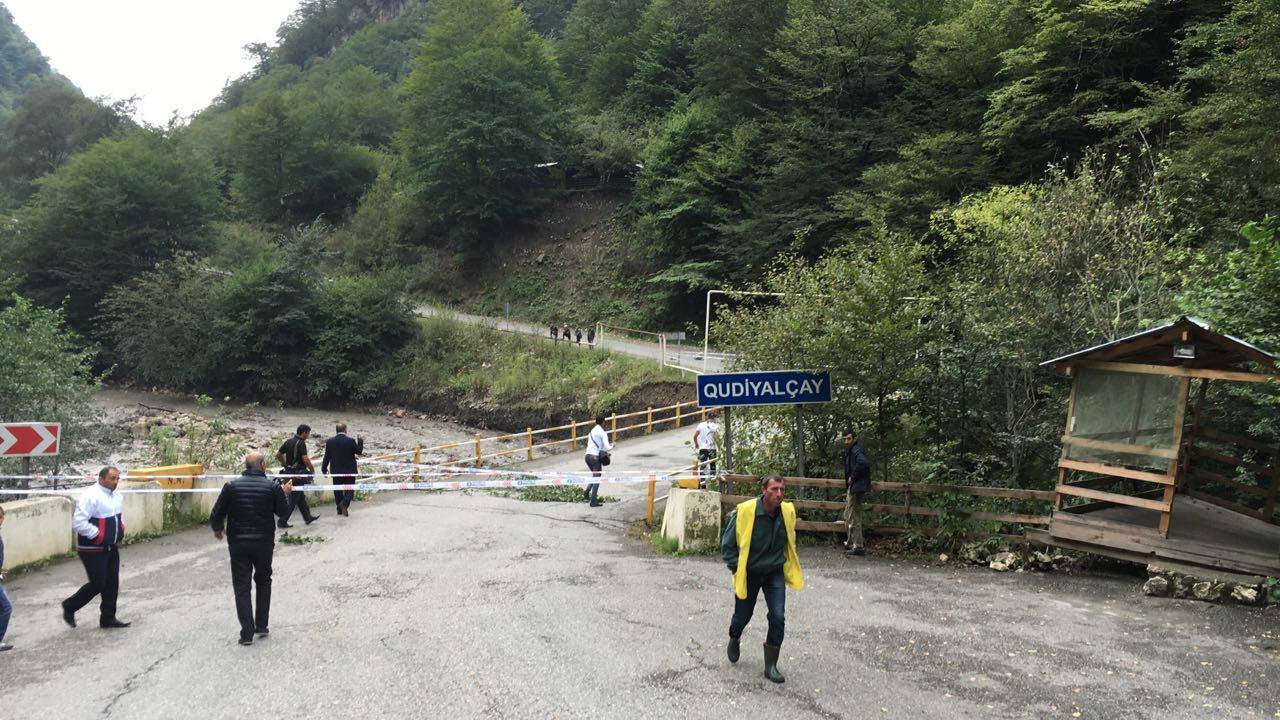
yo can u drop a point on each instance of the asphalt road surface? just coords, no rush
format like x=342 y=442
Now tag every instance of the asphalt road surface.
x=476 y=606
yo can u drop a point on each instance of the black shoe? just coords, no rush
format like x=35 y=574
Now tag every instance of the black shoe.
x=263 y=632
x=596 y=503
x=311 y=519
x=68 y=616
x=114 y=623
x=246 y=640
x=771 y=664
x=5 y=646
x=283 y=525
x=734 y=649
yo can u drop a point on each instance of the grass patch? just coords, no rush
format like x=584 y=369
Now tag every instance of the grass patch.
x=291 y=539
x=483 y=365
x=668 y=546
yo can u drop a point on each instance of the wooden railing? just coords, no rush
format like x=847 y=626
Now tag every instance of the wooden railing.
x=1256 y=499
x=906 y=508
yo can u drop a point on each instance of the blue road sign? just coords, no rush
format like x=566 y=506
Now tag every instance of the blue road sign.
x=770 y=387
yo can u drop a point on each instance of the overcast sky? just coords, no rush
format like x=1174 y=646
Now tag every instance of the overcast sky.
x=173 y=54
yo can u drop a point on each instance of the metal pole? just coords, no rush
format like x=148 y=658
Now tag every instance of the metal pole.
x=799 y=441
x=26 y=473
x=706 y=332
x=728 y=444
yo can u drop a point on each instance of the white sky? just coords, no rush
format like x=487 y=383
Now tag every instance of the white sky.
x=173 y=54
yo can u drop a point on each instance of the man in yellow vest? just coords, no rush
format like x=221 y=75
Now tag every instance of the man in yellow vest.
x=759 y=546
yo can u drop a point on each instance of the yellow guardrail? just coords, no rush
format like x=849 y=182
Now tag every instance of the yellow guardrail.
x=170 y=477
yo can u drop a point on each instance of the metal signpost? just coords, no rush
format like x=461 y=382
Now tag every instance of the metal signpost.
x=27 y=440
x=769 y=387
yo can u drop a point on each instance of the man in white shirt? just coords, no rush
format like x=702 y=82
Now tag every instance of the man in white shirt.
x=598 y=449
x=98 y=521
x=706 y=438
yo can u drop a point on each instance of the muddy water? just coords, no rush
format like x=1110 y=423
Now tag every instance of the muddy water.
x=263 y=427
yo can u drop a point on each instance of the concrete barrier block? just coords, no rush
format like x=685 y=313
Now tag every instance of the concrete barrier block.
x=198 y=504
x=36 y=529
x=319 y=497
x=143 y=512
x=692 y=518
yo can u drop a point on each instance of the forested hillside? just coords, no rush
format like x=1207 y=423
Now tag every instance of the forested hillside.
x=979 y=184
x=21 y=64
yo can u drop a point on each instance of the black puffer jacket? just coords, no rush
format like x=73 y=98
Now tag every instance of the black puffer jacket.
x=249 y=506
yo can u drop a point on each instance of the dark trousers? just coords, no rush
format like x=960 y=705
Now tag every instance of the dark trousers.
x=343 y=498
x=298 y=499
x=593 y=464
x=103 y=569
x=775 y=597
x=6 y=610
x=709 y=469
x=251 y=560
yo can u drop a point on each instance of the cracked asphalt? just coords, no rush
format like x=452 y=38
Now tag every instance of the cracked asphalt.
x=477 y=606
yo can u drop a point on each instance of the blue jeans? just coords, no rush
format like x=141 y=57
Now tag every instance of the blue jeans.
x=593 y=464
x=775 y=597
x=6 y=609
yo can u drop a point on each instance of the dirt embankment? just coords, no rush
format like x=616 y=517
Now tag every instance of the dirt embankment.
x=515 y=418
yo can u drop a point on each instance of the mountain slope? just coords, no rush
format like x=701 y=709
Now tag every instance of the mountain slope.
x=21 y=64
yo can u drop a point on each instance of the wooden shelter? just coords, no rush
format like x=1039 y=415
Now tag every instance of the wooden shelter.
x=1144 y=475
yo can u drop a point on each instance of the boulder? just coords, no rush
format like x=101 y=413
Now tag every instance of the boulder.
x=1245 y=594
x=1157 y=586
x=1004 y=561
x=1207 y=591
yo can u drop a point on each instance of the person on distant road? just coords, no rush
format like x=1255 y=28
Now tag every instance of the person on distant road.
x=98 y=521
x=554 y=334
x=857 y=482
x=706 y=440
x=566 y=332
x=759 y=546
x=296 y=462
x=591 y=336
x=598 y=452
x=340 y=453
x=577 y=335
x=6 y=607
x=247 y=507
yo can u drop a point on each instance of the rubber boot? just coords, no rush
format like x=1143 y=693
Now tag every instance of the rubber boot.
x=733 y=649
x=771 y=663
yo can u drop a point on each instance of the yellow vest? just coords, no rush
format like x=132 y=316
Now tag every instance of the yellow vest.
x=746 y=520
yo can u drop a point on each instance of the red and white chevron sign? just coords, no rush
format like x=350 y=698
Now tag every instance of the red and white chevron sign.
x=29 y=439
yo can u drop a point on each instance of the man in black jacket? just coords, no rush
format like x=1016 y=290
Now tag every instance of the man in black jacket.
x=857 y=482
x=340 y=453
x=248 y=507
x=296 y=462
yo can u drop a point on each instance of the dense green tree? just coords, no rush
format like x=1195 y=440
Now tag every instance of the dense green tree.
x=730 y=53
x=48 y=377
x=52 y=121
x=597 y=49
x=21 y=65
x=481 y=112
x=109 y=213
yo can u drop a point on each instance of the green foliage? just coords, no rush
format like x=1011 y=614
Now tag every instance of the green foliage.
x=21 y=65
x=107 y=214
x=480 y=114
x=48 y=377
x=291 y=539
x=210 y=444
x=53 y=121
x=485 y=366
x=271 y=327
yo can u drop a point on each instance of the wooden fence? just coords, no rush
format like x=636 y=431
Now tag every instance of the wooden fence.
x=1251 y=488
x=906 y=508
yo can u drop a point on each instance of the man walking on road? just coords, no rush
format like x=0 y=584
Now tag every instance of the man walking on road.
x=857 y=482
x=598 y=450
x=98 y=522
x=759 y=546
x=248 y=507
x=340 y=453
x=706 y=438
x=296 y=462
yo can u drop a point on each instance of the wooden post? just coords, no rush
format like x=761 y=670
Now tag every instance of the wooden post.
x=613 y=427
x=1071 y=414
x=1269 y=510
x=1179 y=417
x=677 y=414
x=649 y=422
x=529 y=434
x=799 y=441
x=702 y=415
x=477 y=449
x=417 y=461
x=649 y=510
x=573 y=435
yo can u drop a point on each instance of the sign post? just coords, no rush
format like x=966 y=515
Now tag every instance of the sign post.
x=769 y=387
x=27 y=440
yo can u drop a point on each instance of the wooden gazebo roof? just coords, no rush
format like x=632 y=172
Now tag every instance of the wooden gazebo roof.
x=1164 y=350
